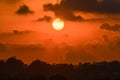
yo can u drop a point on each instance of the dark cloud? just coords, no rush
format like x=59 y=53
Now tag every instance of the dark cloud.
x=24 y=9
x=106 y=26
x=66 y=8
x=62 y=12
x=45 y=18
x=106 y=6
x=94 y=19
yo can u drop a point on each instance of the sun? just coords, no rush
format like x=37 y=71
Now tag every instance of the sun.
x=58 y=24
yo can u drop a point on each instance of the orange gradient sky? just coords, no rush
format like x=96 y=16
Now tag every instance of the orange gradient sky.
x=87 y=36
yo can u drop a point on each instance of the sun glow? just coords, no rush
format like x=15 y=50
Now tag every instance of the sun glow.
x=58 y=24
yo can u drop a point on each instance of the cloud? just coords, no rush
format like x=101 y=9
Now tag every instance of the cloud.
x=79 y=55
x=117 y=43
x=2 y=47
x=24 y=9
x=15 y=32
x=26 y=52
x=62 y=12
x=106 y=6
x=20 y=50
x=45 y=18
x=17 y=36
x=21 y=32
x=94 y=19
x=108 y=27
x=67 y=8
x=28 y=47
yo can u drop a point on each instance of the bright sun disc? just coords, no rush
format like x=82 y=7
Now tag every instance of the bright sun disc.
x=58 y=24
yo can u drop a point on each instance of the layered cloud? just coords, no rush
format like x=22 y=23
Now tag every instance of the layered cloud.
x=62 y=12
x=15 y=32
x=25 y=52
x=106 y=6
x=16 y=36
x=24 y=9
x=19 y=48
x=108 y=51
x=67 y=8
x=106 y=47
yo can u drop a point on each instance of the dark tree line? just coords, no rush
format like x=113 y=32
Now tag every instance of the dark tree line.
x=14 y=69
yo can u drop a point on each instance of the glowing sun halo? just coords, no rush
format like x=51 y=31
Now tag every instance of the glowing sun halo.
x=58 y=24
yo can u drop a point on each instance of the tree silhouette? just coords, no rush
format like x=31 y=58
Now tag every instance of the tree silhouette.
x=15 y=69
x=57 y=77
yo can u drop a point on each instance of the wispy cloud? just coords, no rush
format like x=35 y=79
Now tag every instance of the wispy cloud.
x=45 y=18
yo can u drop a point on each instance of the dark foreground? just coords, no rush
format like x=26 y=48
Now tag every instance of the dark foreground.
x=14 y=69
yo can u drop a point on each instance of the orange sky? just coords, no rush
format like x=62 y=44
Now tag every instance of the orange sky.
x=79 y=41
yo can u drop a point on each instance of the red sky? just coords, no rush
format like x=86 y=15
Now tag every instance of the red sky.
x=89 y=34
